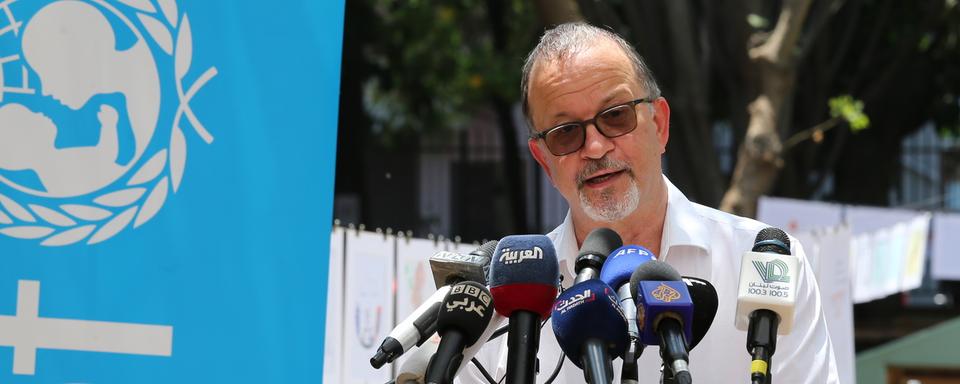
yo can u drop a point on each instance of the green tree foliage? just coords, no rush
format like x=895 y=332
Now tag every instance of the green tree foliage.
x=437 y=62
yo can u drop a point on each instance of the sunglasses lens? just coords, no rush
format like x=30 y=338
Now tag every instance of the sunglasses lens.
x=618 y=121
x=565 y=139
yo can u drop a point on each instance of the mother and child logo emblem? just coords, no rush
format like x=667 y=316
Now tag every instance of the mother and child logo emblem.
x=91 y=115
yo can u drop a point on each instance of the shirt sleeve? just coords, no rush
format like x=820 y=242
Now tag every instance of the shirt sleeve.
x=806 y=354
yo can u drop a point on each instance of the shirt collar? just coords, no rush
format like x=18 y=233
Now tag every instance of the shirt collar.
x=682 y=226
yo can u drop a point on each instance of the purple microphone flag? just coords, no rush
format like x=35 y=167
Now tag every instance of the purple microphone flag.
x=659 y=299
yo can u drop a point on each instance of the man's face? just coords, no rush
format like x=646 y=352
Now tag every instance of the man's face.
x=608 y=178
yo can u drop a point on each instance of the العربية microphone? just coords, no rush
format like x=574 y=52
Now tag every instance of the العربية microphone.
x=524 y=275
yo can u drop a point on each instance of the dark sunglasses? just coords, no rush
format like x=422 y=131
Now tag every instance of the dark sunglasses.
x=615 y=121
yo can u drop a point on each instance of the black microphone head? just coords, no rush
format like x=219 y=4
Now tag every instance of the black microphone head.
x=468 y=308
x=599 y=243
x=705 y=303
x=654 y=270
x=772 y=240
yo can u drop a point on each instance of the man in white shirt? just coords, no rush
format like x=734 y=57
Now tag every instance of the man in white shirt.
x=598 y=130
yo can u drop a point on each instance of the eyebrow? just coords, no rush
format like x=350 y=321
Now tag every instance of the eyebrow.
x=606 y=100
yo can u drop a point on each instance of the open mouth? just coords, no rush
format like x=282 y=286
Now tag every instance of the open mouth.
x=602 y=177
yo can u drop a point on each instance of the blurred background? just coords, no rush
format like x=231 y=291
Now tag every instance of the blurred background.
x=844 y=104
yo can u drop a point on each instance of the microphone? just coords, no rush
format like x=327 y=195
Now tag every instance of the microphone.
x=593 y=252
x=448 y=268
x=524 y=274
x=705 y=304
x=616 y=273
x=766 y=297
x=590 y=328
x=664 y=314
x=464 y=315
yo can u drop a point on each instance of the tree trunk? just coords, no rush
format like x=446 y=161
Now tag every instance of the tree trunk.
x=760 y=157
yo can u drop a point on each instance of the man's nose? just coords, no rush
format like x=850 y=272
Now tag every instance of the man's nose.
x=595 y=144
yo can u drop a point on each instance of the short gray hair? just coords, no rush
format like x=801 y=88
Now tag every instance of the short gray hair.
x=567 y=39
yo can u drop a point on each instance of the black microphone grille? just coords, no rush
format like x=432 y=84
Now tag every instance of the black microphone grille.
x=772 y=240
x=601 y=241
x=654 y=270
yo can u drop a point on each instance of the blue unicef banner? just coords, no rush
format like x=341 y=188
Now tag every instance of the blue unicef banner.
x=166 y=186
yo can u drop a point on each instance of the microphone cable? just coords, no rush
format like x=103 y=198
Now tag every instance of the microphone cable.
x=504 y=329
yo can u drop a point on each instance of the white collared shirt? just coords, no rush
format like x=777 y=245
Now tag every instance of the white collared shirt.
x=701 y=242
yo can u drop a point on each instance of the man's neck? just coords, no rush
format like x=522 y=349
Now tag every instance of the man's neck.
x=643 y=227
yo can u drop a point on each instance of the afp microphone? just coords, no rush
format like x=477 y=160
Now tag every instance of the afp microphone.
x=593 y=252
x=523 y=280
x=766 y=297
x=664 y=315
x=448 y=268
x=616 y=272
x=590 y=328
x=464 y=315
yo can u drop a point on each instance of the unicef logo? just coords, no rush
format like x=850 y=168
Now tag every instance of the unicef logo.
x=94 y=101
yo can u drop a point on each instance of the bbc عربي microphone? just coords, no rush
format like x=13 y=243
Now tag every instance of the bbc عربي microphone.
x=664 y=315
x=463 y=318
x=591 y=328
x=766 y=298
x=448 y=268
x=524 y=275
x=593 y=252
x=616 y=272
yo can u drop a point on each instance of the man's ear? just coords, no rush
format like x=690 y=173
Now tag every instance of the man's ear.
x=662 y=119
x=538 y=155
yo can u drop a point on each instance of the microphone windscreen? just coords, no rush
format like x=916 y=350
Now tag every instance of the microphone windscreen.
x=601 y=242
x=589 y=310
x=524 y=274
x=705 y=303
x=621 y=263
x=652 y=271
x=772 y=240
x=487 y=249
x=467 y=308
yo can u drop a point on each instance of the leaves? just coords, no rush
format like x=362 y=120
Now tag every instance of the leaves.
x=68 y=237
x=114 y=226
x=159 y=32
x=52 y=217
x=850 y=110
x=86 y=212
x=121 y=198
x=150 y=169
x=153 y=203
x=184 y=54
x=178 y=156
x=16 y=209
x=169 y=8
x=142 y=5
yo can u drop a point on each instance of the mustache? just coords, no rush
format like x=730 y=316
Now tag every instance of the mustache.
x=601 y=164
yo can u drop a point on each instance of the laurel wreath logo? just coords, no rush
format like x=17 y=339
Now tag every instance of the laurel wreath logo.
x=146 y=191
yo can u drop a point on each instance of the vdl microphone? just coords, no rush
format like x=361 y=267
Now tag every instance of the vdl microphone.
x=463 y=317
x=766 y=298
x=448 y=268
x=616 y=272
x=524 y=275
x=664 y=315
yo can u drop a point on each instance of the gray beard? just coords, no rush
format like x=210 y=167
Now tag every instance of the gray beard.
x=607 y=207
